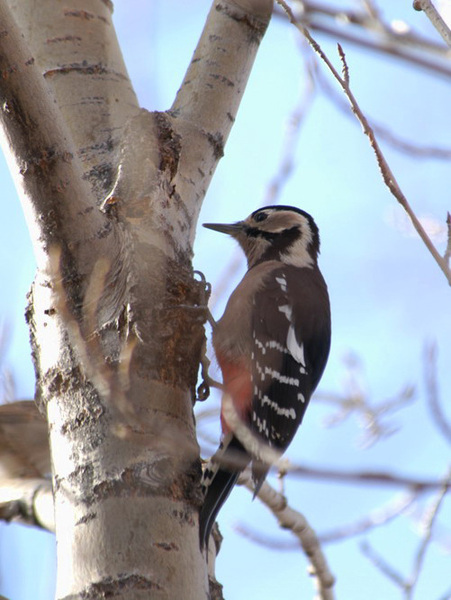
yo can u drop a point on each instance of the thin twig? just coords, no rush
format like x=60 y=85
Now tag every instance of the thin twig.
x=380 y=563
x=377 y=518
x=447 y=254
x=435 y=18
x=407 y=46
x=419 y=558
x=293 y=520
x=293 y=129
x=386 y=172
x=433 y=397
x=366 y=477
x=413 y=149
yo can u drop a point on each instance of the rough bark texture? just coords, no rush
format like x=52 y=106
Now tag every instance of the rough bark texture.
x=115 y=314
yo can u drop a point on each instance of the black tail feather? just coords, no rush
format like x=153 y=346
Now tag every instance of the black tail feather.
x=231 y=460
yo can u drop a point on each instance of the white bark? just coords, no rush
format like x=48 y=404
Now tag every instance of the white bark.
x=115 y=314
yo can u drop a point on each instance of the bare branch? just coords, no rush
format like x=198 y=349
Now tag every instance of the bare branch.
x=291 y=519
x=293 y=129
x=386 y=172
x=378 y=36
x=366 y=477
x=345 y=68
x=57 y=198
x=27 y=501
x=376 y=518
x=414 y=149
x=435 y=18
x=447 y=254
x=380 y=563
x=408 y=585
x=433 y=397
x=428 y=527
x=357 y=400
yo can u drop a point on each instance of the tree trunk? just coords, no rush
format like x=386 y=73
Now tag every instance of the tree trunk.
x=115 y=314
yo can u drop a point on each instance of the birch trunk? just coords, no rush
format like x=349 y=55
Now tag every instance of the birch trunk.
x=111 y=194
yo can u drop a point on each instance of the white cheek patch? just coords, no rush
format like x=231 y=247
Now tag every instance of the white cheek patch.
x=298 y=255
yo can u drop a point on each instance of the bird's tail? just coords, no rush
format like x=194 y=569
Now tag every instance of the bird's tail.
x=219 y=477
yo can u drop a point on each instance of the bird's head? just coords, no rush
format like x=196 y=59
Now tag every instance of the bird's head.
x=283 y=233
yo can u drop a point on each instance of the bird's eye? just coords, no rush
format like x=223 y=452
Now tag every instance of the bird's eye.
x=259 y=217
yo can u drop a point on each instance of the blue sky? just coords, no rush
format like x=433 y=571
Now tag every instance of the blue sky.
x=388 y=297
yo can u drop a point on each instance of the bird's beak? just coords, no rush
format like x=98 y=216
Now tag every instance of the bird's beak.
x=232 y=229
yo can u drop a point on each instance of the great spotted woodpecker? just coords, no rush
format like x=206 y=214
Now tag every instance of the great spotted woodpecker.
x=272 y=344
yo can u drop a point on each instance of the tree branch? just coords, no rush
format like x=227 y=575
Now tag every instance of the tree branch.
x=57 y=200
x=291 y=519
x=433 y=397
x=427 y=536
x=376 y=518
x=409 y=47
x=435 y=18
x=365 y=477
x=387 y=174
x=77 y=52
x=27 y=501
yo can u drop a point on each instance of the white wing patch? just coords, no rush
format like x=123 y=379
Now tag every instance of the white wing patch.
x=282 y=282
x=296 y=350
x=286 y=310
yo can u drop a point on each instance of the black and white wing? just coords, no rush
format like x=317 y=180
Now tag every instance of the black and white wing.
x=291 y=337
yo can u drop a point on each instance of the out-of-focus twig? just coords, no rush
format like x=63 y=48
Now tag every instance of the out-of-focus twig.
x=376 y=518
x=382 y=565
x=447 y=254
x=370 y=32
x=386 y=478
x=435 y=18
x=427 y=537
x=407 y=585
x=355 y=399
x=413 y=149
x=293 y=129
x=433 y=396
x=293 y=520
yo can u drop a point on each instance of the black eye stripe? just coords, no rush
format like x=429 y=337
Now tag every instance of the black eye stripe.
x=255 y=232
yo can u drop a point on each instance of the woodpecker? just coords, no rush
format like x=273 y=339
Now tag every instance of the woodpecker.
x=272 y=344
